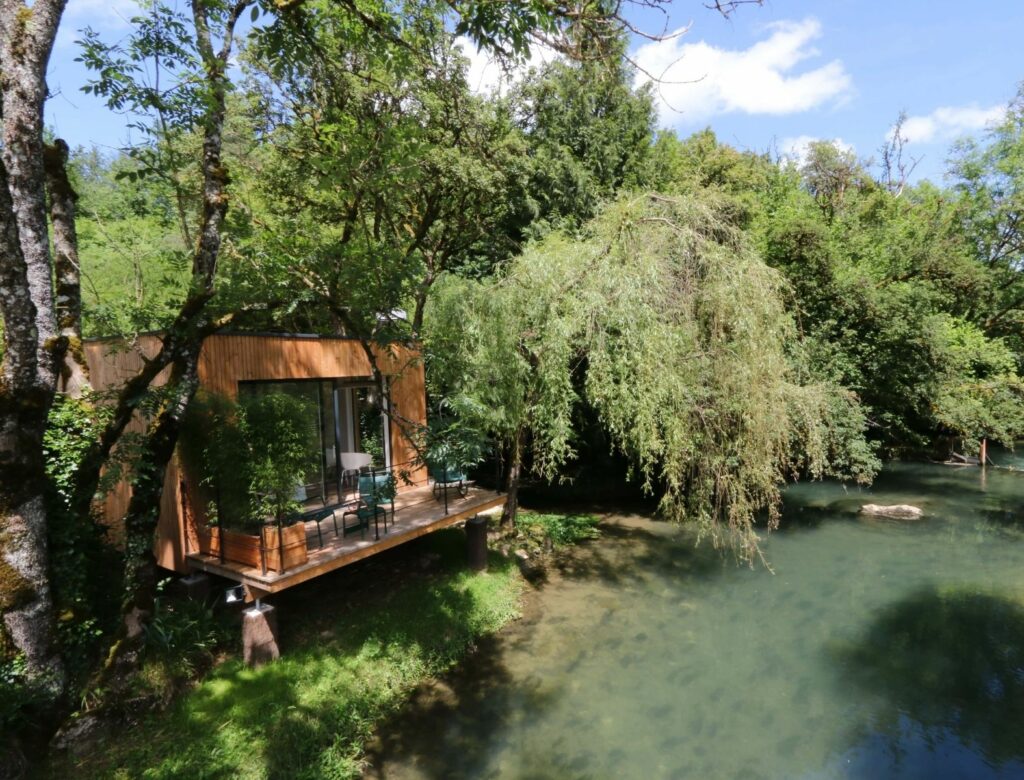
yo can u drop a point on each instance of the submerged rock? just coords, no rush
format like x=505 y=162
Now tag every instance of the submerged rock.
x=897 y=511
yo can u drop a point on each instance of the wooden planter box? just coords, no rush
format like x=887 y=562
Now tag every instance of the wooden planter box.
x=245 y=548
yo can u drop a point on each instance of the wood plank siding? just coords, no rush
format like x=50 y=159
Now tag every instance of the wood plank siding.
x=228 y=359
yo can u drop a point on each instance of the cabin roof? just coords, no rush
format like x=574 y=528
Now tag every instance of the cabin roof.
x=249 y=333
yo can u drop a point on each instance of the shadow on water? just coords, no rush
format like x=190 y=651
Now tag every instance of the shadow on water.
x=631 y=552
x=947 y=666
x=454 y=727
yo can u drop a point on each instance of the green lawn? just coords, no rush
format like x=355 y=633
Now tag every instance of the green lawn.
x=350 y=659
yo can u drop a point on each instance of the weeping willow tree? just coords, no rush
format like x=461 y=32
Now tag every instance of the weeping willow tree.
x=669 y=323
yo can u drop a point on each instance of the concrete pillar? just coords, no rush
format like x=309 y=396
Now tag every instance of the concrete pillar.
x=259 y=635
x=195 y=586
x=476 y=543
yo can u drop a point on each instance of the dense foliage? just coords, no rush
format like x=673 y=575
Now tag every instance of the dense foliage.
x=728 y=320
x=681 y=338
x=887 y=286
x=250 y=455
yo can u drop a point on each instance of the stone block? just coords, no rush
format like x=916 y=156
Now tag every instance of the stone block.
x=259 y=635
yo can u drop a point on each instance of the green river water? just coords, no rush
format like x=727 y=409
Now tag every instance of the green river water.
x=877 y=649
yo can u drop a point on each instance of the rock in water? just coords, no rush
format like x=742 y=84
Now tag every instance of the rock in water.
x=897 y=511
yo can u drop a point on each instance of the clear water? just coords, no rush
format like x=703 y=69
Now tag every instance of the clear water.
x=877 y=649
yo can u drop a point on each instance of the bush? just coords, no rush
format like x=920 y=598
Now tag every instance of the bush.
x=561 y=529
x=181 y=642
x=81 y=559
x=250 y=455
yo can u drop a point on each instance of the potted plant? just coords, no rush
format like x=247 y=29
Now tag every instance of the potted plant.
x=250 y=456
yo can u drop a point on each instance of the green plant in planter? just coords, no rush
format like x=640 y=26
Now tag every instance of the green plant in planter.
x=214 y=444
x=249 y=455
x=281 y=450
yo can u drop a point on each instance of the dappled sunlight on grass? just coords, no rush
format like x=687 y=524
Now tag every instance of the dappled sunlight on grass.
x=308 y=714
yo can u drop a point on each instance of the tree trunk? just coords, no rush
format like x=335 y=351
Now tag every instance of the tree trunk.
x=31 y=346
x=181 y=349
x=191 y=325
x=26 y=604
x=140 y=571
x=515 y=466
x=74 y=372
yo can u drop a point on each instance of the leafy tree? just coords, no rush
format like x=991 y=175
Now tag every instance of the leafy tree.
x=41 y=303
x=829 y=173
x=980 y=394
x=989 y=179
x=134 y=260
x=682 y=335
x=588 y=133
x=699 y=163
x=387 y=171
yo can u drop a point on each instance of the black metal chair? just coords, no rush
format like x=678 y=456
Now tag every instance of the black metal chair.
x=318 y=515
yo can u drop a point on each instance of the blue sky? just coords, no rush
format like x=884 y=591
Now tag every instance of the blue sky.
x=791 y=70
x=769 y=76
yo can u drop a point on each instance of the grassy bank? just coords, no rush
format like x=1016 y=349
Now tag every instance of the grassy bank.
x=354 y=648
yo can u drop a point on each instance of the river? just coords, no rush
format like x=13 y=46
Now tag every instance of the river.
x=876 y=649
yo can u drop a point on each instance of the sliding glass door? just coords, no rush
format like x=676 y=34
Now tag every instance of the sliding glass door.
x=347 y=426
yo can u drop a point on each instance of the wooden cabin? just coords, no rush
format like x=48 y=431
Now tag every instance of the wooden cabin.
x=335 y=375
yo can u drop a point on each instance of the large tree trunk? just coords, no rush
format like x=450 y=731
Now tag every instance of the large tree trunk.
x=26 y=604
x=32 y=348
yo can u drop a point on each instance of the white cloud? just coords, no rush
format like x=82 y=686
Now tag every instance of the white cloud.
x=950 y=121
x=699 y=80
x=104 y=16
x=795 y=148
x=486 y=76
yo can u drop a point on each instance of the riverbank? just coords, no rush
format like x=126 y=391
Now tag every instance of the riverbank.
x=354 y=648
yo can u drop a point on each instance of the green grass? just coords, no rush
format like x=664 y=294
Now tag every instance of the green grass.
x=561 y=529
x=354 y=661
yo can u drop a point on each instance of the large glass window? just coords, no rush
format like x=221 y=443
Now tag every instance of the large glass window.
x=346 y=423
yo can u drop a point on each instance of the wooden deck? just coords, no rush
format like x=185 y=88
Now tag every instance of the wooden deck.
x=417 y=513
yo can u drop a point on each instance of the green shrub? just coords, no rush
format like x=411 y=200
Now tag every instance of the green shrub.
x=181 y=641
x=18 y=696
x=561 y=529
x=250 y=455
x=81 y=559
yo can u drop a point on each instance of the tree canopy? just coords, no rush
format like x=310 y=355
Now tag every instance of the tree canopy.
x=664 y=318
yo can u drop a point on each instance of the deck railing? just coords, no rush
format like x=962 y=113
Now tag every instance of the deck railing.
x=283 y=542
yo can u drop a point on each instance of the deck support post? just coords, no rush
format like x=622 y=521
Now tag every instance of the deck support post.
x=476 y=542
x=259 y=635
x=195 y=586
